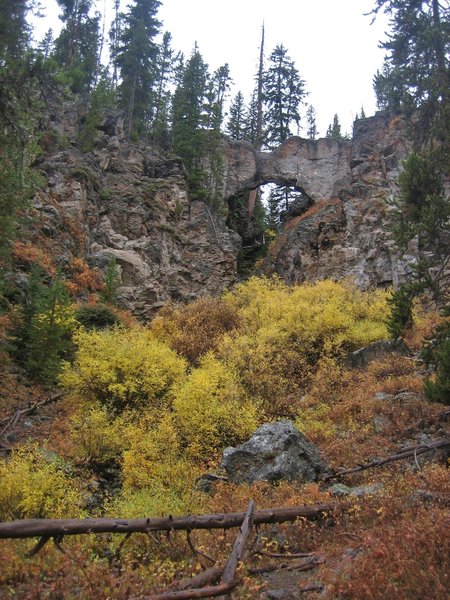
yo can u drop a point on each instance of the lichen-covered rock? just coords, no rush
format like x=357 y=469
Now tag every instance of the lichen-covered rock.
x=376 y=351
x=275 y=451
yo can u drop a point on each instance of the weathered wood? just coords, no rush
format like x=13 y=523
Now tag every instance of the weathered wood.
x=239 y=544
x=206 y=592
x=206 y=577
x=410 y=451
x=26 y=528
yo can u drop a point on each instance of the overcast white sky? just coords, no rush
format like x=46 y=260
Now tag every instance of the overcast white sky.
x=334 y=46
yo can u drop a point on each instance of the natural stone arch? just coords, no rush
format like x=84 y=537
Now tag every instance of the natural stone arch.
x=316 y=167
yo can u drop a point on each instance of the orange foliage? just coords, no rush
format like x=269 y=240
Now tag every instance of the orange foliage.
x=196 y=328
x=29 y=254
x=82 y=278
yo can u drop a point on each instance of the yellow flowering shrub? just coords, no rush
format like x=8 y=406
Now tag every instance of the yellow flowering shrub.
x=154 y=456
x=212 y=410
x=326 y=314
x=286 y=331
x=34 y=486
x=123 y=369
x=97 y=437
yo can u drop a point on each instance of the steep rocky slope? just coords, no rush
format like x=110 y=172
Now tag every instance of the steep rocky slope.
x=341 y=232
x=128 y=202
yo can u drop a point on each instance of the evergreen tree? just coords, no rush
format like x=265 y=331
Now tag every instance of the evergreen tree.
x=14 y=30
x=43 y=336
x=77 y=46
x=165 y=70
x=236 y=125
x=436 y=354
x=114 y=41
x=217 y=88
x=251 y=120
x=416 y=72
x=103 y=96
x=136 y=57
x=283 y=93
x=334 y=130
x=311 y=122
x=188 y=119
x=421 y=208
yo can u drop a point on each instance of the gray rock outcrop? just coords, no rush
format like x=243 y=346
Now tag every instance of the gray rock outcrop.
x=130 y=202
x=276 y=451
x=376 y=351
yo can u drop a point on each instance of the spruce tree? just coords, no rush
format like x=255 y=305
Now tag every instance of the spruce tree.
x=311 y=122
x=284 y=91
x=77 y=46
x=136 y=58
x=165 y=72
x=236 y=125
x=416 y=72
x=14 y=30
x=334 y=130
x=188 y=119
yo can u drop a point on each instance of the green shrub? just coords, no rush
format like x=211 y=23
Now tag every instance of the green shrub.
x=96 y=316
x=436 y=353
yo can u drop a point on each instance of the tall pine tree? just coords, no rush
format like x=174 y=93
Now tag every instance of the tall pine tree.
x=136 y=57
x=77 y=46
x=284 y=91
x=416 y=73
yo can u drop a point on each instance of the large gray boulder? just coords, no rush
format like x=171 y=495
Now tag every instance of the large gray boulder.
x=275 y=451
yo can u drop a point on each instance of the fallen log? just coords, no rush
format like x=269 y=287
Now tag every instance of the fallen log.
x=206 y=592
x=410 y=451
x=27 y=528
x=12 y=420
x=228 y=581
x=239 y=544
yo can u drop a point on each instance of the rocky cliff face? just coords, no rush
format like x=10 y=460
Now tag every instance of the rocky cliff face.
x=343 y=234
x=126 y=201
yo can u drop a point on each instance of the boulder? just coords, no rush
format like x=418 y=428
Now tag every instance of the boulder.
x=375 y=351
x=276 y=451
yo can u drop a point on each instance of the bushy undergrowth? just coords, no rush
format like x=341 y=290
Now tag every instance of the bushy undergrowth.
x=35 y=485
x=159 y=404
x=122 y=369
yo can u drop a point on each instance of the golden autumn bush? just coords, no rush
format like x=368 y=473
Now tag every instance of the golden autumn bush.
x=212 y=410
x=286 y=331
x=123 y=368
x=36 y=486
x=97 y=436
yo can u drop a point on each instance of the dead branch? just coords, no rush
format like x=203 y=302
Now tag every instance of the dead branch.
x=314 y=587
x=228 y=581
x=411 y=451
x=41 y=543
x=196 y=550
x=298 y=566
x=206 y=577
x=281 y=555
x=207 y=592
x=239 y=544
x=26 y=528
x=12 y=420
